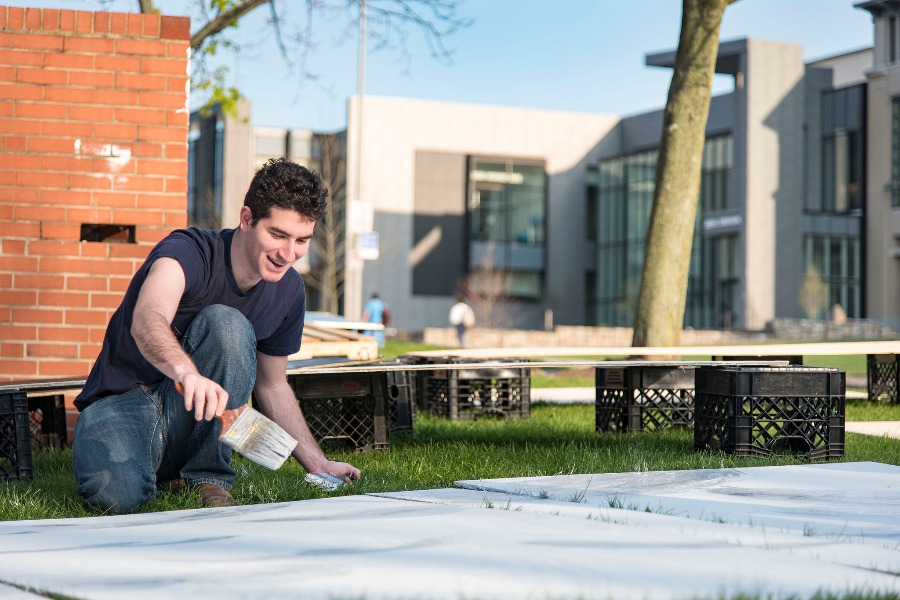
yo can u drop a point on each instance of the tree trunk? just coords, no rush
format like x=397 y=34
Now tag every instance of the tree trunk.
x=329 y=236
x=660 y=309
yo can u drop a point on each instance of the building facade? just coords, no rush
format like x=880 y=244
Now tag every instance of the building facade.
x=780 y=194
x=544 y=214
x=882 y=143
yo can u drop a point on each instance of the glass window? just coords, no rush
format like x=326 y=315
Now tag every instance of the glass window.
x=591 y=214
x=855 y=108
x=842 y=151
x=193 y=140
x=828 y=111
x=204 y=189
x=506 y=283
x=895 y=152
x=507 y=208
x=507 y=202
x=726 y=280
x=835 y=258
x=217 y=173
x=624 y=200
x=892 y=39
x=269 y=144
x=715 y=174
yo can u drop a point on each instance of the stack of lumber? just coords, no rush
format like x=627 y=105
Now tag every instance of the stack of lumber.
x=337 y=338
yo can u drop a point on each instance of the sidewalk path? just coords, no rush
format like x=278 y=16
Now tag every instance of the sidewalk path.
x=879 y=428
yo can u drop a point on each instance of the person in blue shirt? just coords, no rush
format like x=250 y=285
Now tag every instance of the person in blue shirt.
x=218 y=313
x=374 y=312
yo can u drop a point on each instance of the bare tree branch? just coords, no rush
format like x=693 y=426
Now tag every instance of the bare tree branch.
x=146 y=7
x=486 y=289
x=391 y=24
x=276 y=26
x=223 y=20
x=329 y=240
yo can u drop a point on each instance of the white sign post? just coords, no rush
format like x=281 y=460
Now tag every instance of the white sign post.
x=360 y=216
x=367 y=245
x=360 y=220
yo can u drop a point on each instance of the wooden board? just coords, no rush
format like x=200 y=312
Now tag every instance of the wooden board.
x=560 y=364
x=318 y=341
x=354 y=350
x=804 y=349
x=353 y=325
x=368 y=366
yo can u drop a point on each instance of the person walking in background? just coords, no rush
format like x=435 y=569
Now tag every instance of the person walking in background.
x=462 y=317
x=376 y=311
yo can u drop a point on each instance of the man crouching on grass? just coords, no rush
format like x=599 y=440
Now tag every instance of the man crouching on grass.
x=218 y=312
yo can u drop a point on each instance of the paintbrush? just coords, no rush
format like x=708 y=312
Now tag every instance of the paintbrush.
x=253 y=435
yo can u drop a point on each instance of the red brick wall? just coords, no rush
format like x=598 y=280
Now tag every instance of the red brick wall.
x=93 y=131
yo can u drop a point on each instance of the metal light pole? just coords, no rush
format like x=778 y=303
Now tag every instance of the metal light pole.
x=352 y=261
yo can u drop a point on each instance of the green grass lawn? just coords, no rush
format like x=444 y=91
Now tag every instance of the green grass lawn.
x=394 y=348
x=555 y=440
x=852 y=365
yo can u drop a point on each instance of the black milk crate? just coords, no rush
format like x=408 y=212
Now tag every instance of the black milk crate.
x=344 y=410
x=15 y=436
x=47 y=420
x=402 y=388
x=643 y=398
x=758 y=411
x=470 y=393
x=883 y=377
x=421 y=377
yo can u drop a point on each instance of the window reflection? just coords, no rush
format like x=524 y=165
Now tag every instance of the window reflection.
x=507 y=208
x=620 y=199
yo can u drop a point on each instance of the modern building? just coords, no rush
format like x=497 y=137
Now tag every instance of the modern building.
x=546 y=212
x=882 y=174
x=780 y=192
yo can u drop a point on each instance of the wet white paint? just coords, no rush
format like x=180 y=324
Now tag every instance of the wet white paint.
x=539 y=537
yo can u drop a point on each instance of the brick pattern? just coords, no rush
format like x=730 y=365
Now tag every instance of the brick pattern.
x=93 y=130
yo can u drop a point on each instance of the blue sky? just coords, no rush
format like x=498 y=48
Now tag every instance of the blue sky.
x=572 y=55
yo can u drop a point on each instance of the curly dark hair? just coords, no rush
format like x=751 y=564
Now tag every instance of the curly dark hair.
x=284 y=184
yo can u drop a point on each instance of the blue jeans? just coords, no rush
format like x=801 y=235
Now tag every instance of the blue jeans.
x=125 y=444
x=378 y=335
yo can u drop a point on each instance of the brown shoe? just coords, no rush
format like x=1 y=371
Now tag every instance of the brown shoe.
x=214 y=496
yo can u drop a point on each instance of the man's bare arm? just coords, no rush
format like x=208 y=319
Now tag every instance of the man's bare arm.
x=151 y=328
x=275 y=399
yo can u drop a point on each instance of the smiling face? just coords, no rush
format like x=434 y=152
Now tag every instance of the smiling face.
x=265 y=251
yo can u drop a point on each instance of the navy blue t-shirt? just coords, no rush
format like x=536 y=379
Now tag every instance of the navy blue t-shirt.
x=275 y=310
